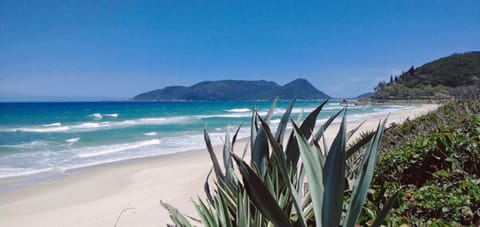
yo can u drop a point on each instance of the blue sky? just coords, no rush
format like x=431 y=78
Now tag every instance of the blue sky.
x=113 y=50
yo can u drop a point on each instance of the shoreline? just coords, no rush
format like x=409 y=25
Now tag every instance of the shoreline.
x=17 y=182
x=95 y=195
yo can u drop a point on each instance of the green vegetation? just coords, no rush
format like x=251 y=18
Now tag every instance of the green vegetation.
x=428 y=174
x=457 y=75
x=436 y=158
x=235 y=90
x=272 y=192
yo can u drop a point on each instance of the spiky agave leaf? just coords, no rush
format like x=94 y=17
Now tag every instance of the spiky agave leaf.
x=207 y=215
x=334 y=181
x=283 y=168
x=223 y=211
x=213 y=156
x=314 y=172
x=253 y=127
x=260 y=150
x=206 y=188
x=243 y=209
x=306 y=128
x=260 y=195
x=327 y=124
x=280 y=134
x=353 y=131
x=178 y=218
x=364 y=178
x=360 y=142
x=227 y=159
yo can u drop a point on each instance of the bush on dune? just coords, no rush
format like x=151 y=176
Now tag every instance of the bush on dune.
x=436 y=158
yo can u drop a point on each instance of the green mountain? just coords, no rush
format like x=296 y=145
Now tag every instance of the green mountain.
x=235 y=90
x=455 y=75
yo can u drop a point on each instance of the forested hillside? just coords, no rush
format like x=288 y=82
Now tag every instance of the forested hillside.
x=457 y=75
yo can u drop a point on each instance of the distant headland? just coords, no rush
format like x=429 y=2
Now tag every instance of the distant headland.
x=228 y=90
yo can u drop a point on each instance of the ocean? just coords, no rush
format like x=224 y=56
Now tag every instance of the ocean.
x=47 y=139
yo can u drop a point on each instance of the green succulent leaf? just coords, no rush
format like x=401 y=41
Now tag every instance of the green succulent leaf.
x=327 y=124
x=314 y=172
x=282 y=166
x=213 y=157
x=306 y=128
x=206 y=188
x=364 y=178
x=280 y=134
x=334 y=180
x=260 y=196
x=178 y=218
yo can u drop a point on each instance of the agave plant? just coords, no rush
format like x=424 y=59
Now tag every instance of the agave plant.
x=294 y=181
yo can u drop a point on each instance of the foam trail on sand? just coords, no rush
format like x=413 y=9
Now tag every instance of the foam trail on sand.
x=107 y=149
x=16 y=172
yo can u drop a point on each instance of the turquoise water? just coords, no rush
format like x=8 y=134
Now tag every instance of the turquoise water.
x=45 y=138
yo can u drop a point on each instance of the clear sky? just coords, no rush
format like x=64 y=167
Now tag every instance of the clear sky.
x=113 y=50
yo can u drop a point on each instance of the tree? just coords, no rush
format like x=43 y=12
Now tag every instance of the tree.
x=411 y=71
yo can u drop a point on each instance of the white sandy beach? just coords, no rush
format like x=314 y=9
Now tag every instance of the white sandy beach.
x=95 y=196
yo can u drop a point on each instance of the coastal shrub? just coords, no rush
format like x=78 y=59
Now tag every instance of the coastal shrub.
x=436 y=159
x=271 y=189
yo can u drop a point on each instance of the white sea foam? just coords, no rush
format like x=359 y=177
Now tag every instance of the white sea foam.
x=72 y=140
x=96 y=116
x=16 y=172
x=150 y=133
x=72 y=158
x=108 y=149
x=36 y=144
x=56 y=124
x=92 y=126
x=232 y=115
x=114 y=115
x=239 y=110
x=40 y=129
x=88 y=125
x=303 y=110
x=276 y=121
x=99 y=116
